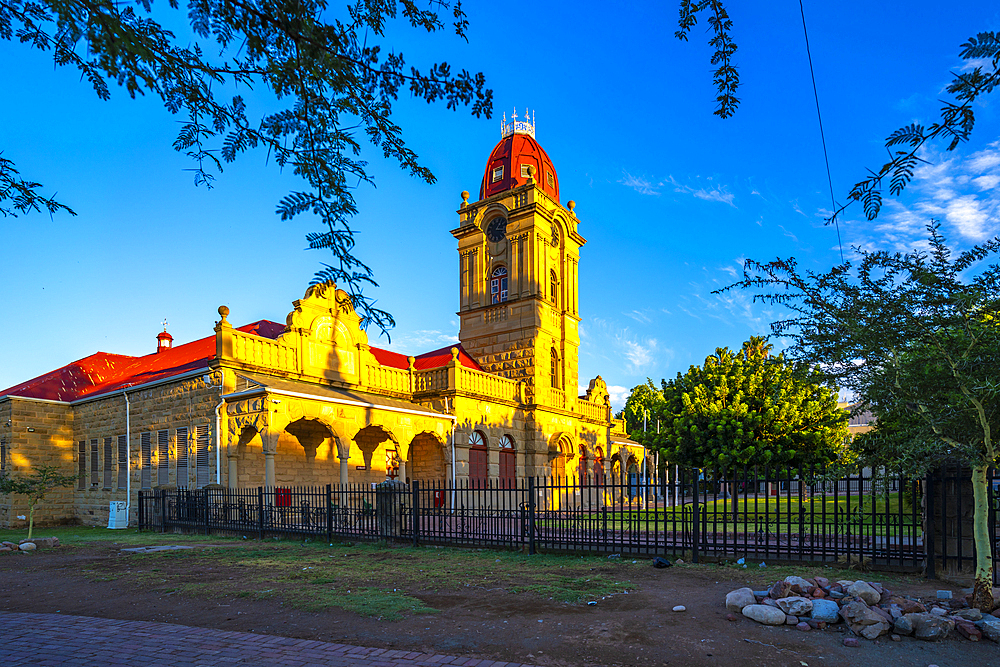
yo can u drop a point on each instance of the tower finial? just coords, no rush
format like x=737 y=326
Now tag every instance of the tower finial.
x=526 y=126
x=164 y=324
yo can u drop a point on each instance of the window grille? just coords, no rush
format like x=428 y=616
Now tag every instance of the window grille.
x=524 y=171
x=109 y=462
x=182 y=457
x=3 y=456
x=146 y=454
x=95 y=463
x=498 y=174
x=550 y=179
x=201 y=448
x=553 y=287
x=81 y=477
x=554 y=369
x=122 y=462
x=162 y=458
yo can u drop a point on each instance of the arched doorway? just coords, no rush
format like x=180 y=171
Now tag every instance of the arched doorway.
x=427 y=463
x=379 y=449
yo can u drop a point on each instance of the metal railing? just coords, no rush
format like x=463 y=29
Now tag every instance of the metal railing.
x=791 y=515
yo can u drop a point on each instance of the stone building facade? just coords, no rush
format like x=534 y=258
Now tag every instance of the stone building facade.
x=310 y=402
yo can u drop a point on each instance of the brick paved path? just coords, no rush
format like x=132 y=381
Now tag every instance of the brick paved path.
x=58 y=639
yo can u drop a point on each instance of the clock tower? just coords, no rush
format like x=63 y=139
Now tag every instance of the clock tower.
x=519 y=252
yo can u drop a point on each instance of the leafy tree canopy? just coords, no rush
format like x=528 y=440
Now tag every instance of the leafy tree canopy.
x=917 y=337
x=643 y=403
x=749 y=408
x=329 y=70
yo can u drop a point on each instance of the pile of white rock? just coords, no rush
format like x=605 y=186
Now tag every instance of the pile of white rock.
x=866 y=608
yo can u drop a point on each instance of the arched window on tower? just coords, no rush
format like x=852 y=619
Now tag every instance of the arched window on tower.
x=477 y=459
x=507 y=462
x=553 y=287
x=498 y=285
x=554 y=370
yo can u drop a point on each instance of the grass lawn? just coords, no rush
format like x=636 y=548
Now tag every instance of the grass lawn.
x=368 y=579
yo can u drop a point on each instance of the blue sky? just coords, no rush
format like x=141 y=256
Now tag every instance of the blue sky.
x=671 y=198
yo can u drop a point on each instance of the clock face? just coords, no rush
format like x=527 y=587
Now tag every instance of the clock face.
x=497 y=230
x=555 y=236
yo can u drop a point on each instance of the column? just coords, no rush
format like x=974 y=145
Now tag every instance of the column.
x=233 y=471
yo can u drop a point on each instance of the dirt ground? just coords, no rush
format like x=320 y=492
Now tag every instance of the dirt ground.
x=637 y=628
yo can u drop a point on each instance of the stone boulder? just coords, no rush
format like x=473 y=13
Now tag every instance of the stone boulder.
x=741 y=597
x=930 y=627
x=795 y=605
x=43 y=542
x=863 y=590
x=908 y=606
x=826 y=611
x=799 y=585
x=28 y=546
x=780 y=589
x=969 y=614
x=968 y=630
x=903 y=626
x=764 y=614
x=863 y=621
x=990 y=627
x=822 y=582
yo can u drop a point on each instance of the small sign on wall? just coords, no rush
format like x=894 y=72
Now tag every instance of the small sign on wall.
x=361 y=467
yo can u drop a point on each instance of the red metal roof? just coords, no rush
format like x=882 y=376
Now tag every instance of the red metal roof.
x=432 y=359
x=512 y=152
x=102 y=372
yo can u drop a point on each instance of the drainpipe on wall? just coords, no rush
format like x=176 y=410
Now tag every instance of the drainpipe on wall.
x=447 y=408
x=128 y=460
x=218 y=440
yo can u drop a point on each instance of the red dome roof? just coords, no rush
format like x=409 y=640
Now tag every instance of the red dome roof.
x=510 y=154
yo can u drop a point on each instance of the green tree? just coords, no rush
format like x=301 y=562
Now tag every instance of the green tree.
x=35 y=486
x=642 y=404
x=749 y=408
x=917 y=337
x=334 y=79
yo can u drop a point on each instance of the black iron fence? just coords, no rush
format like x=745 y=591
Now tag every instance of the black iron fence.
x=797 y=515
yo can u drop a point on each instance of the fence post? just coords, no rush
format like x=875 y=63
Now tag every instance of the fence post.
x=695 y=518
x=415 y=512
x=208 y=526
x=163 y=511
x=141 y=513
x=929 y=566
x=260 y=513
x=329 y=514
x=531 y=515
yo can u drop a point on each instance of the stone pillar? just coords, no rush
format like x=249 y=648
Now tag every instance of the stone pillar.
x=268 y=468
x=234 y=471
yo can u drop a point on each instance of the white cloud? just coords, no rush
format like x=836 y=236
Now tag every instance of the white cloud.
x=717 y=193
x=640 y=184
x=618 y=396
x=420 y=341
x=960 y=191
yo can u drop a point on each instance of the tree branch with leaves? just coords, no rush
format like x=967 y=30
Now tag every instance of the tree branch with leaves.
x=335 y=78
x=35 y=486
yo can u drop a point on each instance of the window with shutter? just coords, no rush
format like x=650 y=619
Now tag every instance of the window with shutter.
x=81 y=477
x=109 y=462
x=507 y=464
x=95 y=463
x=3 y=456
x=162 y=458
x=122 y=462
x=201 y=448
x=182 y=457
x=477 y=458
x=146 y=454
